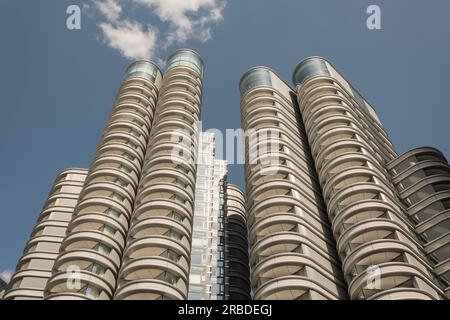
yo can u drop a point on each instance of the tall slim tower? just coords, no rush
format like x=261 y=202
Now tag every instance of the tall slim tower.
x=157 y=255
x=382 y=257
x=90 y=257
x=206 y=277
x=132 y=217
x=292 y=251
x=35 y=266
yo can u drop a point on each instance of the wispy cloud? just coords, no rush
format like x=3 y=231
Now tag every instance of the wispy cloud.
x=131 y=39
x=6 y=275
x=188 y=19
x=183 y=20
x=109 y=8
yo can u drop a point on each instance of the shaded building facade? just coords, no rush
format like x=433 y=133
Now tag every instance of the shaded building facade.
x=35 y=266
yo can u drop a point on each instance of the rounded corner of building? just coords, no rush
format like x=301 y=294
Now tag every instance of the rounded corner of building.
x=145 y=61
x=71 y=169
x=300 y=79
x=196 y=63
x=235 y=187
x=143 y=68
x=419 y=150
x=262 y=79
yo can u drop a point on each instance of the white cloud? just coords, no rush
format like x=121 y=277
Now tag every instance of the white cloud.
x=131 y=39
x=6 y=275
x=185 y=20
x=188 y=19
x=111 y=9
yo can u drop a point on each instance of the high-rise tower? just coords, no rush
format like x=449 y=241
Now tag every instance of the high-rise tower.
x=330 y=210
x=292 y=251
x=127 y=228
x=157 y=256
x=35 y=266
x=90 y=258
x=382 y=257
x=206 y=277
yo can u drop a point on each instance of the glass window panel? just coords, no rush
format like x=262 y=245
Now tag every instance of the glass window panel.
x=255 y=78
x=309 y=69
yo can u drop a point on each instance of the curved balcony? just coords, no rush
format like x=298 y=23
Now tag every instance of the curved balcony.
x=285 y=207
x=101 y=218
x=35 y=266
x=350 y=150
x=422 y=176
x=162 y=218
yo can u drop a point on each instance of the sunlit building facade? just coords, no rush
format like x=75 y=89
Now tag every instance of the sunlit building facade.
x=206 y=277
x=292 y=251
x=156 y=260
x=34 y=268
x=369 y=221
x=147 y=219
x=330 y=210
x=333 y=211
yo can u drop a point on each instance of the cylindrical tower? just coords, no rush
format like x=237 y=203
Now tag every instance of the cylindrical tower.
x=90 y=256
x=381 y=256
x=35 y=266
x=156 y=259
x=292 y=254
x=237 y=270
x=422 y=177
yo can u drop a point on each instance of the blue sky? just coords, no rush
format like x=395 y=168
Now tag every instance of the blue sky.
x=58 y=86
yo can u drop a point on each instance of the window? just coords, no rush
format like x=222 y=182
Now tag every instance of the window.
x=255 y=78
x=140 y=124
x=405 y=164
x=178 y=199
x=92 y=291
x=176 y=216
x=117 y=197
x=174 y=234
x=195 y=295
x=133 y=132
x=168 y=277
x=124 y=169
x=98 y=269
x=180 y=183
x=142 y=69
x=101 y=248
x=180 y=167
x=108 y=230
x=308 y=69
x=120 y=182
x=112 y=213
x=170 y=254
x=128 y=156
x=132 y=144
x=187 y=59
